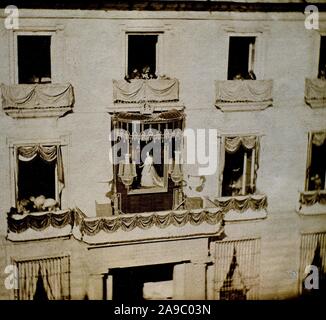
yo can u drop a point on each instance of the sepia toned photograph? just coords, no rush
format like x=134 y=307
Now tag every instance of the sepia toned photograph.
x=163 y=150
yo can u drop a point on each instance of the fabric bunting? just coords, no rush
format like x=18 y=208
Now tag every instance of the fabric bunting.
x=128 y=223
x=310 y=198
x=31 y=96
x=242 y=203
x=139 y=90
x=40 y=222
x=244 y=90
x=315 y=89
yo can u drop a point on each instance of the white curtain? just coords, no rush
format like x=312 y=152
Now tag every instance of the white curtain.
x=309 y=243
x=55 y=273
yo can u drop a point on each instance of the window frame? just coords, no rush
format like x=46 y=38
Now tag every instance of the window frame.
x=160 y=32
x=255 y=60
x=56 y=181
x=56 y=50
x=63 y=142
x=254 y=164
x=249 y=29
x=37 y=34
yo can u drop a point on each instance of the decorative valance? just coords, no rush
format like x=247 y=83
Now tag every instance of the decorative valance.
x=37 y=100
x=232 y=144
x=40 y=222
x=83 y=225
x=160 y=220
x=315 y=93
x=318 y=138
x=309 y=198
x=47 y=153
x=242 y=203
x=139 y=90
x=243 y=95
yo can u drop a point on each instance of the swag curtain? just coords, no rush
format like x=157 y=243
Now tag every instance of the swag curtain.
x=244 y=91
x=231 y=144
x=47 y=153
x=55 y=276
x=138 y=90
x=32 y=96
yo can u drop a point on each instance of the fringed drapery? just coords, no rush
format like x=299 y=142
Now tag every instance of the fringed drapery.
x=40 y=222
x=33 y=96
x=54 y=274
x=237 y=269
x=309 y=198
x=127 y=223
x=244 y=90
x=242 y=203
x=139 y=90
x=47 y=153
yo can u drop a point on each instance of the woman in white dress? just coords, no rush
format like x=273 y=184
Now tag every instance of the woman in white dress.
x=149 y=176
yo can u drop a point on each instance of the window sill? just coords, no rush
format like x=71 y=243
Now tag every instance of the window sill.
x=37 y=100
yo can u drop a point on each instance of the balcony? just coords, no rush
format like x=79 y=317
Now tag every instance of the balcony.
x=243 y=95
x=146 y=95
x=315 y=93
x=37 y=100
x=126 y=228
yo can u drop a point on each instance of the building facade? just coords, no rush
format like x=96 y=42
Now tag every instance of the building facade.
x=233 y=97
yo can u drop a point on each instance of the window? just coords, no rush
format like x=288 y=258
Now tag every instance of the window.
x=43 y=279
x=322 y=58
x=39 y=177
x=237 y=269
x=36 y=177
x=240 y=162
x=34 y=58
x=241 y=58
x=316 y=166
x=142 y=56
